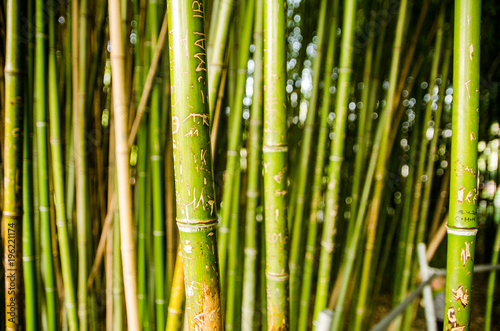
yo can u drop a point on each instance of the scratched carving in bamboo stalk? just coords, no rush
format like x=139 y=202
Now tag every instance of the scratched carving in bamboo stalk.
x=196 y=215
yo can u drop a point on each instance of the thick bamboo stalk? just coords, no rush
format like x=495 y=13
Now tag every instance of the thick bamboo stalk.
x=122 y=165
x=58 y=175
x=254 y=145
x=40 y=101
x=462 y=223
x=13 y=158
x=275 y=152
x=196 y=217
x=336 y=158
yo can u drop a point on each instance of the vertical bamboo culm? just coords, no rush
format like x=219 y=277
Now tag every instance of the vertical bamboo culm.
x=462 y=221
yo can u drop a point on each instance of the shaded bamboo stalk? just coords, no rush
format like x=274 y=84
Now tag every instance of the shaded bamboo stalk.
x=254 y=141
x=122 y=165
x=297 y=224
x=12 y=159
x=494 y=260
x=234 y=139
x=177 y=296
x=462 y=221
x=216 y=48
x=58 y=177
x=155 y=154
x=336 y=158
x=317 y=188
x=195 y=194
x=40 y=101
x=29 y=251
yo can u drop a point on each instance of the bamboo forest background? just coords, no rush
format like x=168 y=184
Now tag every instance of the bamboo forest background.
x=245 y=164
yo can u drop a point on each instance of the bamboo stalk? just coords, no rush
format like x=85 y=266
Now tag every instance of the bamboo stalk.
x=462 y=223
x=156 y=155
x=254 y=141
x=40 y=100
x=216 y=49
x=494 y=260
x=336 y=158
x=275 y=152
x=296 y=247
x=234 y=139
x=29 y=250
x=318 y=175
x=58 y=173
x=177 y=296
x=13 y=158
x=196 y=217
x=122 y=165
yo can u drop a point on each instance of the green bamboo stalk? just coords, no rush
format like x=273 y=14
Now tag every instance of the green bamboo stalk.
x=494 y=260
x=424 y=210
x=235 y=137
x=29 y=250
x=40 y=100
x=418 y=202
x=336 y=157
x=177 y=296
x=79 y=120
x=462 y=223
x=275 y=156
x=232 y=311
x=217 y=43
x=379 y=179
x=196 y=217
x=122 y=164
x=318 y=174
x=376 y=202
x=118 y=317
x=254 y=141
x=156 y=156
x=13 y=142
x=303 y=166
x=58 y=175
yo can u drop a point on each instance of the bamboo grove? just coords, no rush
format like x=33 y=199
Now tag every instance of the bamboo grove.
x=248 y=165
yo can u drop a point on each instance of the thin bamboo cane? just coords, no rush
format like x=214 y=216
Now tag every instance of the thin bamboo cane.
x=235 y=137
x=462 y=222
x=40 y=100
x=494 y=260
x=196 y=217
x=216 y=49
x=296 y=247
x=13 y=156
x=156 y=155
x=58 y=173
x=233 y=311
x=177 y=296
x=254 y=145
x=118 y=318
x=424 y=210
x=336 y=158
x=380 y=172
x=122 y=164
x=29 y=250
x=275 y=155
x=317 y=188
